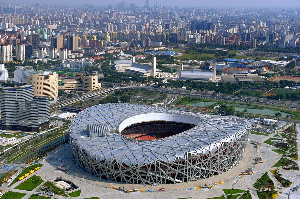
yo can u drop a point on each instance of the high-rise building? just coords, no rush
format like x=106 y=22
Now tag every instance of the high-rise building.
x=197 y=26
x=6 y=53
x=42 y=53
x=45 y=84
x=28 y=51
x=22 y=111
x=53 y=53
x=3 y=73
x=57 y=41
x=20 y=52
x=21 y=37
x=63 y=54
x=72 y=41
x=35 y=40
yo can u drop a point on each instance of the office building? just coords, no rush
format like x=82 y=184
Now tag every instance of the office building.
x=81 y=82
x=6 y=53
x=3 y=73
x=72 y=41
x=57 y=41
x=53 y=53
x=88 y=82
x=28 y=51
x=20 y=52
x=35 y=40
x=63 y=54
x=22 y=111
x=45 y=84
x=42 y=53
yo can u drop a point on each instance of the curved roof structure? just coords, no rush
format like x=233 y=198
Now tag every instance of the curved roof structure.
x=204 y=138
x=196 y=75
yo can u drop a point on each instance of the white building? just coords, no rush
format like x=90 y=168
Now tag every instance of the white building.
x=196 y=74
x=53 y=53
x=130 y=67
x=269 y=122
x=20 y=52
x=42 y=53
x=5 y=53
x=3 y=73
x=154 y=67
x=21 y=73
x=77 y=64
x=63 y=54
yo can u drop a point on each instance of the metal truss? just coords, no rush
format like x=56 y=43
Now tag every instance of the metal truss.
x=214 y=146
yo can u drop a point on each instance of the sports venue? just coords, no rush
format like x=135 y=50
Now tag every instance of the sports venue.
x=148 y=145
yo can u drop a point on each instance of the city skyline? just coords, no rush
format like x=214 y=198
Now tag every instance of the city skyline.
x=187 y=3
x=173 y=99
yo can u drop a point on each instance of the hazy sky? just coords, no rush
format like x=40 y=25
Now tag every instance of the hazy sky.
x=185 y=3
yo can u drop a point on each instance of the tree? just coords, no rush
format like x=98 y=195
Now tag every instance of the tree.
x=278 y=114
x=125 y=98
x=225 y=110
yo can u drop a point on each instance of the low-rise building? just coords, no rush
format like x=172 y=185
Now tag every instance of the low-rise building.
x=21 y=73
x=242 y=78
x=77 y=65
x=45 y=84
x=81 y=82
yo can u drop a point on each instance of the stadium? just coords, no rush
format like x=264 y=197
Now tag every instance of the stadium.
x=149 y=145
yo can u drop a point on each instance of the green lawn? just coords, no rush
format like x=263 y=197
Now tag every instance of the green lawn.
x=265 y=194
x=264 y=183
x=92 y=198
x=268 y=141
x=233 y=196
x=221 y=197
x=279 y=151
x=13 y=195
x=257 y=133
x=36 y=196
x=30 y=183
x=75 y=193
x=49 y=186
x=189 y=100
x=286 y=162
x=233 y=191
x=246 y=195
x=25 y=171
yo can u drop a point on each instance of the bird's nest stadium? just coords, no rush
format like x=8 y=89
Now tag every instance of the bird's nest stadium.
x=144 y=144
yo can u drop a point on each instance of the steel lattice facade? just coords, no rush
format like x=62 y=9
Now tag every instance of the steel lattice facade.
x=213 y=146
